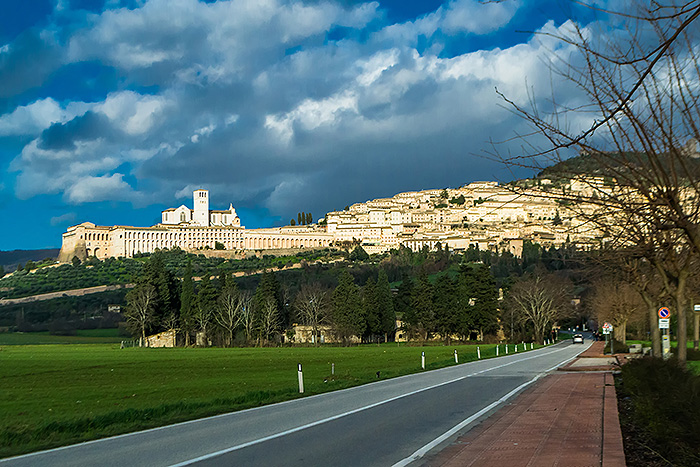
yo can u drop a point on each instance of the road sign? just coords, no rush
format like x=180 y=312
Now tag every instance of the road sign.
x=664 y=312
x=664 y=323
x=607 y=327
x=696 y=307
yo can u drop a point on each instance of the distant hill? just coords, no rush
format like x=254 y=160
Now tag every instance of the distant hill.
x=10 y=259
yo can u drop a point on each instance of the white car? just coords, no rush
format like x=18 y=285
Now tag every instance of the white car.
x=578 y=339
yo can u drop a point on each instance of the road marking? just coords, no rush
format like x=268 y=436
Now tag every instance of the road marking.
x=376 y=404
x=443 y=437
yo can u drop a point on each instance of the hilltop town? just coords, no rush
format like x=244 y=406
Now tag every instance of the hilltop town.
x=484 y=214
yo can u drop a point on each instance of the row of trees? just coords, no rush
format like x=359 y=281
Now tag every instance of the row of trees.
x=303 y=218
x=218 y=310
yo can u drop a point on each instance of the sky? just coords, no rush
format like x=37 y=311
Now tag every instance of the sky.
x=113 y=110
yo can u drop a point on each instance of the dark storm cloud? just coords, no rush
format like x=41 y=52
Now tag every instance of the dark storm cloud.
x=63 y=136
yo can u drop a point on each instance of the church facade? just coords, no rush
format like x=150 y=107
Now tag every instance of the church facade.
x=187 y=229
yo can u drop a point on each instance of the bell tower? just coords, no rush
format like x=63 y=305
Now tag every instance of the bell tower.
x=201 y=207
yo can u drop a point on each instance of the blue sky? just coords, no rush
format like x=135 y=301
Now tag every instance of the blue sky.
x=112 y=110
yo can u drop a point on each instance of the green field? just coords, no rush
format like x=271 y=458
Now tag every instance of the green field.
x=93 y=336
x=54 y=395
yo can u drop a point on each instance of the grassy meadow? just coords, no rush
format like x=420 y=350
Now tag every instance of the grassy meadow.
x=54 y=395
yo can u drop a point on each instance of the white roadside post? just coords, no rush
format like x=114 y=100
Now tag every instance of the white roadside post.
x=506 y=349
x=532 y=345
x=478 y=353
x=516 y=348
x=456 y=358
x=422 y=360
x=301 y=380
x=332 y=368
x=497 y=350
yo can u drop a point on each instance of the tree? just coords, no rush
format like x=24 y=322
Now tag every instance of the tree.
x=446 y=310
x=370 y=305
x=358 y=254
x=267 y=306
x=299 y=219
x=228 y=308
x=292 y=222
x=309 y=218
x=616 y=301
x=347 y=316
x=312 y=307
x=219 y=246
x=139 y=308
x=75 y=261
x=478 y=299
x=404 y=305
x=539 y=300
x=637 y=88
x=385 y=305
x=187 y=299
x=423 y=317
x=204 y=307
x=29 y=265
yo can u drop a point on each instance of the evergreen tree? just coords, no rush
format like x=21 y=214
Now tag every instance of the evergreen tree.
x=204 y=306
x=187 y=299
x=347 y=316
x=446 y=311
x=309 y=218
x=358 y=254
x=385 y=303
x=292 y=222
x=404 y=305
x=299 y=221
x=423 y=306
x=370 y=306
x=478 y=297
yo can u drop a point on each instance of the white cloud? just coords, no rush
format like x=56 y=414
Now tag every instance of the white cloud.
x=474 y=16
x=94 y=189
x=33 y=118
x=134 y=113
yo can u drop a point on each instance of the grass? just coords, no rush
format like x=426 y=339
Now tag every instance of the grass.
x=54 y=395
x=92 y=336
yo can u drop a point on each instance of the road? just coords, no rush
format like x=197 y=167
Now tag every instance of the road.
x=390 y=422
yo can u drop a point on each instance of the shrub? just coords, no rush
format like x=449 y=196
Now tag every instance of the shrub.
x=665 y=401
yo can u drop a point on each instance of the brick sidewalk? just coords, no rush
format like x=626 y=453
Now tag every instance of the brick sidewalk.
x=564 y=420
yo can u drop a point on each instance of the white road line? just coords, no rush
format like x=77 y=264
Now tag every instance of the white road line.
x=360 y=409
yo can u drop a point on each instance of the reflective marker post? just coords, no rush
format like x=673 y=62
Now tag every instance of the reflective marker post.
x=422 y=360
x=301 y=380
x=456 y=358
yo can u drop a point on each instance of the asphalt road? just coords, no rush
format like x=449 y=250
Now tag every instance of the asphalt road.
x=389 y=422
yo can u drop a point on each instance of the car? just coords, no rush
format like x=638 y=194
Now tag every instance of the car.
x=578 y=339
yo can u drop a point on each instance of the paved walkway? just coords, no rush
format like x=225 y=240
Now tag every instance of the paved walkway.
x=564 y=420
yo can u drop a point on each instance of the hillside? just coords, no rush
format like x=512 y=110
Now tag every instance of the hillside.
x=10 y=259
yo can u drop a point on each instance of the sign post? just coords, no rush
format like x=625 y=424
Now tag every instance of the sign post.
x=696 y=327
x=664 y=327
x=607 y=329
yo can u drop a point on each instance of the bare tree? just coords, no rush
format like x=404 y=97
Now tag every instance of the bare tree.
x=228 y=312
x=247 y=317
x=639 y=90
x=312 y=305
x=139 y=309
x=268 y=320
x=539 y=301
x=617 y=302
